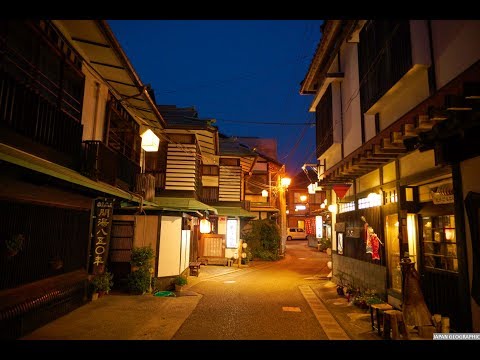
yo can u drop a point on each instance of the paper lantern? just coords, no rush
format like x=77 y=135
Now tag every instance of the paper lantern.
x=150 y=141
x=205 y=227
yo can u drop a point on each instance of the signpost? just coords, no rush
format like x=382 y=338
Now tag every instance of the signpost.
x=101 y=225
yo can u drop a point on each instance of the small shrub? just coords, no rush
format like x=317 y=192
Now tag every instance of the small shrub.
x=139 y=281
x=181 y=280
x=142 y=256
x=102 y=282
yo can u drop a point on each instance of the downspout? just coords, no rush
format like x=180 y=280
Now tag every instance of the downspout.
x=341 y=107
x=95 y=111
x=432 y=82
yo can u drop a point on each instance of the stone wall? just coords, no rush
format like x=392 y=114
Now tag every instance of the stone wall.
x=359 y=274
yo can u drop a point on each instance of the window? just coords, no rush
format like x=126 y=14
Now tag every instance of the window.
x=209 y=170
x=393 y=252
x=439 y=243
x=324 y=122
x=345 y=207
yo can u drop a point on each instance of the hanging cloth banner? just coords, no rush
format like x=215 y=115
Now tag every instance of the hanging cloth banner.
x=341 y=189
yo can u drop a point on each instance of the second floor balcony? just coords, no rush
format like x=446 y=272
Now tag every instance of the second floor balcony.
x=104 y=164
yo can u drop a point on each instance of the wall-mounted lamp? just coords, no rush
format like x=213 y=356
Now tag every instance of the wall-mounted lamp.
x=303 y=197
x=264 y=193
x=150 y=141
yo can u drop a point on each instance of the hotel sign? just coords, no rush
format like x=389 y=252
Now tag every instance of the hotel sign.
x=101 y=225
x=443 y=194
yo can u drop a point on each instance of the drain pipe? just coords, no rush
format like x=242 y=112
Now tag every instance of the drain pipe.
x=95 y=111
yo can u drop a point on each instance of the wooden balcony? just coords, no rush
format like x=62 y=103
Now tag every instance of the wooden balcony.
x=103 y=164
x=32 y=123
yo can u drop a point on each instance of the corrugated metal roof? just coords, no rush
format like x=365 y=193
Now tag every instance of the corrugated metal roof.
x=234 y=211
x=184 y=204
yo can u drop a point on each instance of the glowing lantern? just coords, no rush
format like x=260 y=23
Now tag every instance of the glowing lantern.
x=205 y=227
x=150 y=141
x=264 y=193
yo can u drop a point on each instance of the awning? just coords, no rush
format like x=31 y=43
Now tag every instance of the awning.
x=98 y=43
x=234 y=211
x=182 y=204
x=32 y=162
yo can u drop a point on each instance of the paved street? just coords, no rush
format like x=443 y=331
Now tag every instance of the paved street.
x=289 y=299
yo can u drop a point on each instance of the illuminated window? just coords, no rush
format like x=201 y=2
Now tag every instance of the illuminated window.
x=439 y=244
x=373 y=199
x=345 y=207
x=390 y=196
x=412 y=238
x=393 y=252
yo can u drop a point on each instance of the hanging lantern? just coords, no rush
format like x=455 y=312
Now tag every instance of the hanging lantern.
x=150 y=141
x=205 y=226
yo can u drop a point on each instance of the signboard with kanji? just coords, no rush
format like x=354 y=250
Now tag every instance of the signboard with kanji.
x=101 y=227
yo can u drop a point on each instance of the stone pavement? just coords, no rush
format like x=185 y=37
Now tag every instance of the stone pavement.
x=111 y=317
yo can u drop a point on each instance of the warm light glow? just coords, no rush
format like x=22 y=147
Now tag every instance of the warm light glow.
x=264 y=193
x=300 y=207
x=205 y=226
x=287 y=212
x=285 y=182
x=303 y=197
x=244 y=255
x=150 y=141
x=244 y=245
x=449 y=234
x=332 y=208
x=322 y=205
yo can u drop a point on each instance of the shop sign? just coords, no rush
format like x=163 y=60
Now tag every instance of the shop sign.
x=101 y=224
x=340 y=227
x=353 y=232
x=443 y=194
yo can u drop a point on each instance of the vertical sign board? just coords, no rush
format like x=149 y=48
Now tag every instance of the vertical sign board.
x=101 y=226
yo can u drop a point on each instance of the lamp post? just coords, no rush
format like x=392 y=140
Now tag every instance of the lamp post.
x=284 y=183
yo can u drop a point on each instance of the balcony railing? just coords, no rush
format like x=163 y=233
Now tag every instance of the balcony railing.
x=104 y=164
x=27 y=113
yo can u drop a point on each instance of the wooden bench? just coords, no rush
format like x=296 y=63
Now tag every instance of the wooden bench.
x=195 y=268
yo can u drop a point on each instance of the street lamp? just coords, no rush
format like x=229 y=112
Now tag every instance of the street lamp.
x=284 y=183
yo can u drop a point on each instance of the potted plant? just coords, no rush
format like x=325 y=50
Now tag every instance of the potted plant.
x=180 y=282
x=102 y=284
x=14 y=244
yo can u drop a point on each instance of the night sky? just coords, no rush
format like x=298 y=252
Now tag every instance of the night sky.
x=239 y=72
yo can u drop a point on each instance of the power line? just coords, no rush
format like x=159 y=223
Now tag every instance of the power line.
x=264 y=122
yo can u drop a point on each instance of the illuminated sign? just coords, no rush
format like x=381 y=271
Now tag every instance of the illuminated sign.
x=232 y=226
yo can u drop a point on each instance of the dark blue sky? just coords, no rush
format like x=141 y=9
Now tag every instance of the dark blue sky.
x=239 y=72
